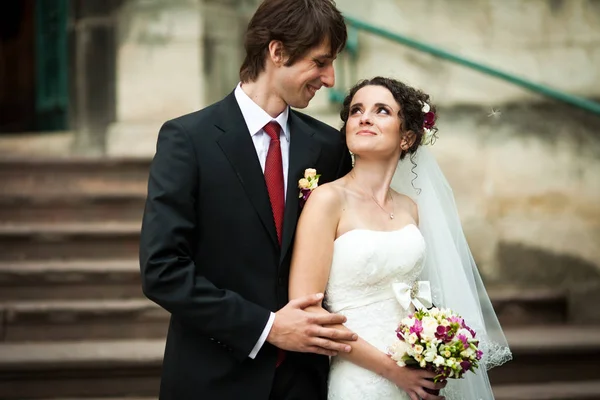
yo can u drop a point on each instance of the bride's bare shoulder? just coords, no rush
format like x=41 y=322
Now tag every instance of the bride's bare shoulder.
x=328 y=194
x=409 y=204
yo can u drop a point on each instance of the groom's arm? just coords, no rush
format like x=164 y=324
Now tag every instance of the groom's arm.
x=169 y=275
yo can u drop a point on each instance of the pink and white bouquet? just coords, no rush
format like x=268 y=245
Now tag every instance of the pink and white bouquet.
x=437 y=340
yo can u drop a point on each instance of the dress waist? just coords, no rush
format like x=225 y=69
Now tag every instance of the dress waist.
x=362 y=301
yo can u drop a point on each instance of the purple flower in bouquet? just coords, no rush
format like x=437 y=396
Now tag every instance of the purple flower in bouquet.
x=443 y=333
x=465 y=365
x=463 y=339
x=417 y=328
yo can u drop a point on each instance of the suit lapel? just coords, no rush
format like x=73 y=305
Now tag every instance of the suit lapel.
x=304 y=152
x=238 y=147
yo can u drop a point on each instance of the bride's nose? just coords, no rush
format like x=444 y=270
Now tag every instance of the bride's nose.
x=365 y=119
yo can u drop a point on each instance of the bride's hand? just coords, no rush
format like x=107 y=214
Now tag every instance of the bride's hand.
x=414 y=382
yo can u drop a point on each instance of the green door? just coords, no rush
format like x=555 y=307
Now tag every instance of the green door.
x=52 y=92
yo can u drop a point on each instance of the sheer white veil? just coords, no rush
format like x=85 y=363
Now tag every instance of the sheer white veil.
x=450 y=268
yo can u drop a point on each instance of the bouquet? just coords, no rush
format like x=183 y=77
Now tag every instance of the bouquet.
x=437 y=340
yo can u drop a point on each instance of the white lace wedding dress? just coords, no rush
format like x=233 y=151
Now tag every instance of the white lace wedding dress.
x=365 y=265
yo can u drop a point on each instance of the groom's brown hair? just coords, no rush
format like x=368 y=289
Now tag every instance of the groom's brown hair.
x=299 y=24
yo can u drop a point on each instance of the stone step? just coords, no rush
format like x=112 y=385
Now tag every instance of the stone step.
x=69 y=241
x=529 y=306
x=588 y=390
x=106 y=207
x=566 y=367
x=70 y=175
x=550 y=354
x=116 y=279
x=80 y=370
x=68 y=280
x=83 y=320
x=76 y=319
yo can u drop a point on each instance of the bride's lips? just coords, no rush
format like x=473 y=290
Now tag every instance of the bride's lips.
x=366 y=132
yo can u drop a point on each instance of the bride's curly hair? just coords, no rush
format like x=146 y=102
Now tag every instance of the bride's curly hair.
x=411 y=102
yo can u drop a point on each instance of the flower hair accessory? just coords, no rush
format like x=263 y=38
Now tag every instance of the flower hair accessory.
x=428 y=124
x=307 y=184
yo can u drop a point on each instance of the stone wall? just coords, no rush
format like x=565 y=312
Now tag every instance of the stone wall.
x=553 y=42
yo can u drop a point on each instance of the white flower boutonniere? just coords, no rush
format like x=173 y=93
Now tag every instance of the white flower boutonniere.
x=307 y=184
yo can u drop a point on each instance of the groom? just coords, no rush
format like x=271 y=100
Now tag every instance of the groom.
x=221 y=213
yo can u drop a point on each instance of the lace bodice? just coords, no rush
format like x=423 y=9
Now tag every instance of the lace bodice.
x=365 y=265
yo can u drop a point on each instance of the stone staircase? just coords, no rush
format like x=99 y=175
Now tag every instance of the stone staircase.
x=75 y=325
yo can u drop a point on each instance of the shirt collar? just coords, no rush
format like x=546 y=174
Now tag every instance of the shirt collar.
x=256 y=118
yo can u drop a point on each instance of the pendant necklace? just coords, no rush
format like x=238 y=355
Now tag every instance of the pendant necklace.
x=391 y=214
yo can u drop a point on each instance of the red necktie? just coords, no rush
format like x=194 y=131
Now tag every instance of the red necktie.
x=274 y=176
x=275 y=187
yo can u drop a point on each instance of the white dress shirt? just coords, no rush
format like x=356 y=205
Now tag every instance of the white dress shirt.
x=256 y=118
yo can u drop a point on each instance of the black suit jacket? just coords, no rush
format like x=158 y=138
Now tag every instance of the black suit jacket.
x=209 y=252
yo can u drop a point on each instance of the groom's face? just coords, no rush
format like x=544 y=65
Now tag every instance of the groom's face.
x=299 y=82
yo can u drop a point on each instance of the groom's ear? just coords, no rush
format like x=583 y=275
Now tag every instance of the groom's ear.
x=277 y=53
x=407 y=140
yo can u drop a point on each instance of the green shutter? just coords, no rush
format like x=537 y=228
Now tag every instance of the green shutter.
x=52 y=92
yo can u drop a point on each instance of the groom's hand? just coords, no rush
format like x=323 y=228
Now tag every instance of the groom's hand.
x=296 y=329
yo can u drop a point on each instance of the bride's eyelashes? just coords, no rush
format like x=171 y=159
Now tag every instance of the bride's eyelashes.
x=380 y=109
x=355 y=110
x=384 y=109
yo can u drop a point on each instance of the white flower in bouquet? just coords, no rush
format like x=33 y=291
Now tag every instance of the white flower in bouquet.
x=430 y=325
x=434 y=312
x=439 y=361
x=468 y=353
x=465 y=333
x=418 y=349
x=399 y=350
x=412 y=338
x=430 y=354
x=408 y=322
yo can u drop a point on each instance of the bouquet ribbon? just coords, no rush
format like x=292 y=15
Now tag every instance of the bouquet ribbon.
x=419 y=294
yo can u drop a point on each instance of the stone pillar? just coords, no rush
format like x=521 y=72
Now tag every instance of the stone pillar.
x=225 y=23
x=158 y=71
x=92 y=40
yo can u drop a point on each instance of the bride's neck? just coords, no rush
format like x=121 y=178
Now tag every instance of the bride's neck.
x=373 y=178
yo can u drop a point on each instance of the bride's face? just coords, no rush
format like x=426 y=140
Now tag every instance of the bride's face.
x=373 y=125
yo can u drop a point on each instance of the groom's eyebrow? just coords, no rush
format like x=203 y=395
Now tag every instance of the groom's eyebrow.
x=325 y=55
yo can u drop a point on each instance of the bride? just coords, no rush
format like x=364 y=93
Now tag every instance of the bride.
x=392 y=219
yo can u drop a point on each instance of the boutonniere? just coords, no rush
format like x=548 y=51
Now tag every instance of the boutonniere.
x=307 y=184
